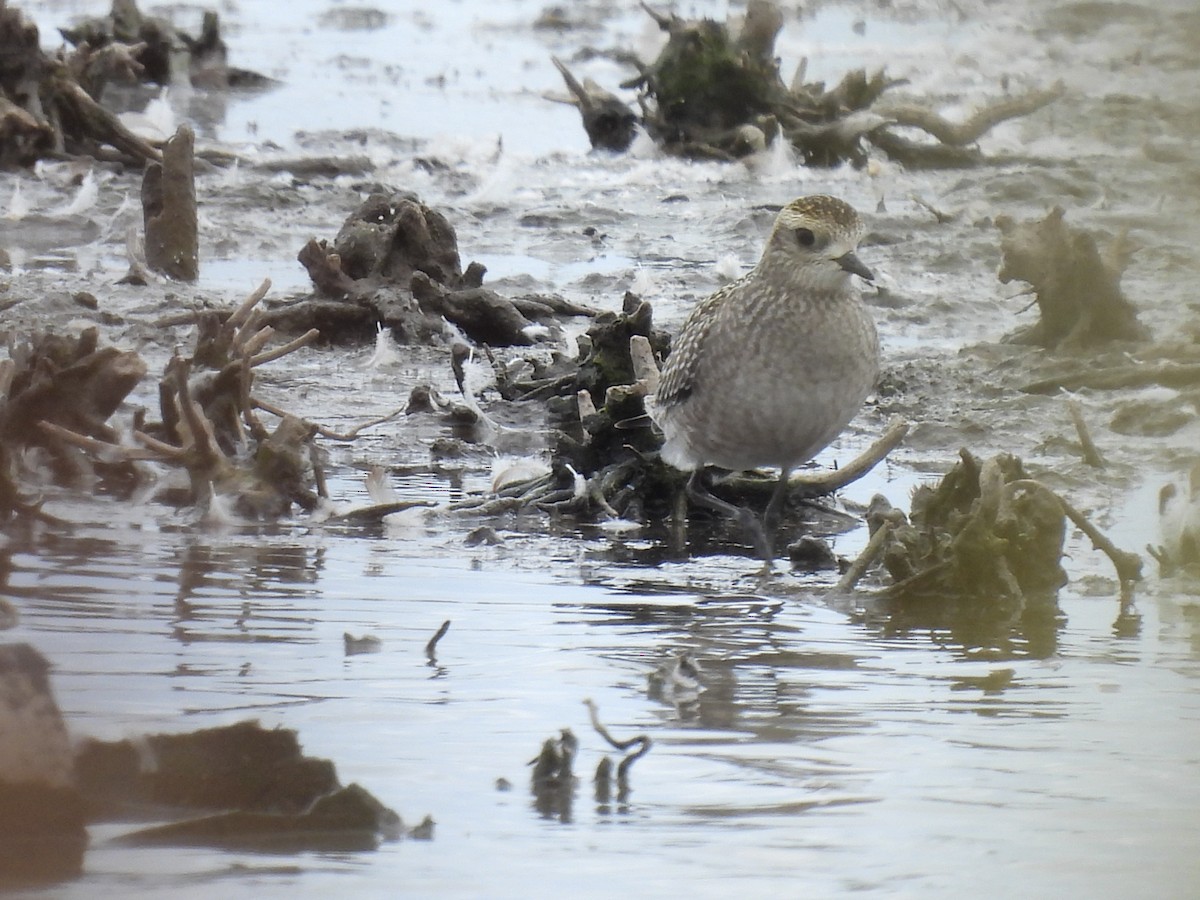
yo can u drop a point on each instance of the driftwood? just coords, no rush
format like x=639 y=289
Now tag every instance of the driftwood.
x=42 y=816
x=716 y=94
x=252 y=788
x=1078 y=289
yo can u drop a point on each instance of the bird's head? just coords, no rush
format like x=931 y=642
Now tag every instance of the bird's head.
x=818 y=235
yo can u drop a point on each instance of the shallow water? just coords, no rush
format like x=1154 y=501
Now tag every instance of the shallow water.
x=821 y=747
x=830 y=751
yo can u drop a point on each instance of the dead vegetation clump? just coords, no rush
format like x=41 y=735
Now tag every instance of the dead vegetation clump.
x=395 y=264
x=1078 y=288
x=50 y=104
x=49 y=385
x=59 y=394
x=717 y=93
x=160 y=52
x=986 y=539
x=604 y=455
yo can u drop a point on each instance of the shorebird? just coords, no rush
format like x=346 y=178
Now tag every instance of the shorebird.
x=769 y=369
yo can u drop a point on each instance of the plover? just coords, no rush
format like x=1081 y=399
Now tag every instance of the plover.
x=769 y=369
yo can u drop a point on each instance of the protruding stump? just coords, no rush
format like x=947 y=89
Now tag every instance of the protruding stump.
x=169 y=209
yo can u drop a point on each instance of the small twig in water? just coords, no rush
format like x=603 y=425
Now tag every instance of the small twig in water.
x=1128 y=565
x=325 y=432
x=859 y=567
x=284 y=349
x=1091 y=454
x=593 y=712
x=941 y=217
x=829 y=482
x=644 y=740
x=431 y=647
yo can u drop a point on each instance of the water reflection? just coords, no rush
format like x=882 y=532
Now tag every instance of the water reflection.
x=231 y=592
x=777 y=721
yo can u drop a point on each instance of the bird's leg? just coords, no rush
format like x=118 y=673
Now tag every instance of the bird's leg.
x=778 y=498
x=740 y=514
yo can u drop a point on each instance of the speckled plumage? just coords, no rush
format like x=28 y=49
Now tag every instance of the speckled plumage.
x=769 y=369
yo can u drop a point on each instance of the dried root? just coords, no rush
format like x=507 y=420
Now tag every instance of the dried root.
x=210 y=425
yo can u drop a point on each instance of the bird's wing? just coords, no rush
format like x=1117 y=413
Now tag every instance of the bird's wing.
x=678 y=379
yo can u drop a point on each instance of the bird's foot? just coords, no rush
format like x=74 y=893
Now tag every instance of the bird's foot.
x=760 y=535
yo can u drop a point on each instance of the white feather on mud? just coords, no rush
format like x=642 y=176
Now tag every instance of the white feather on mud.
x=508 y=470
x=385 y=353
x=729 y=268
x=644 y=282
x=218 y=511
x=156 y=123
x=18 y=206
x=84 y=199
x=379 y=489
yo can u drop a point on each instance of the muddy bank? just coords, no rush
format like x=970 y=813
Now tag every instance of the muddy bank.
x=933 y=235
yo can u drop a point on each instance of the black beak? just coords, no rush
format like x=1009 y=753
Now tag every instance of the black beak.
x=854 y=265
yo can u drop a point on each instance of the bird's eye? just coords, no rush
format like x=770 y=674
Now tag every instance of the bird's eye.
x=805 y=237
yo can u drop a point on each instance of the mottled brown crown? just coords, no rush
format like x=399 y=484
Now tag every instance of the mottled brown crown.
x=822 y=212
